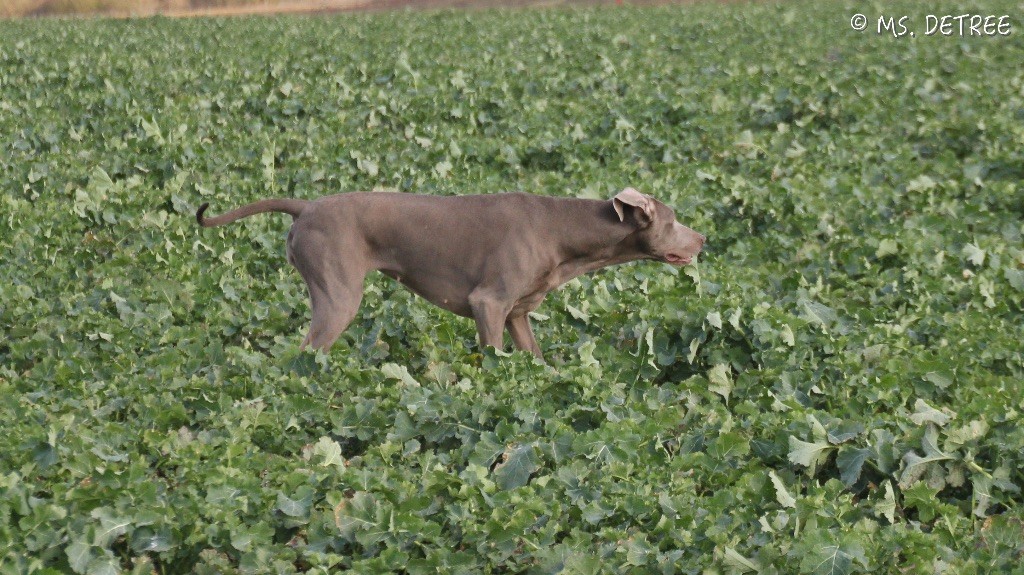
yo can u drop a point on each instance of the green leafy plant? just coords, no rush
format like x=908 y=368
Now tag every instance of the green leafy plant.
x=835 y=388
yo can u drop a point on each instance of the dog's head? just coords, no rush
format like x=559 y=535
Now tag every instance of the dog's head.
x=658 y=235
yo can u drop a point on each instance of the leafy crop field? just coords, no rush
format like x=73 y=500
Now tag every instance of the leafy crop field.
x=836 y=387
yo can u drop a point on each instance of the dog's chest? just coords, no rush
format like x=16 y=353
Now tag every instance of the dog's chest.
x=532 y=299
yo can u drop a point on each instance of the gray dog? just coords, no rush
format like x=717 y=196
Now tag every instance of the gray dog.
x=490 y=257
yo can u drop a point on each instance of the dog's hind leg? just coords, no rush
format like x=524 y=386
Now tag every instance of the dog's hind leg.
x=335 y=287
x=332 y=312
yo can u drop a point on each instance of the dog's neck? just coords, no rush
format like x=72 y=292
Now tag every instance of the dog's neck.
x=608 y=241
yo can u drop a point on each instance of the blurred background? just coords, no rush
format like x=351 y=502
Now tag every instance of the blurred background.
x=31 y=8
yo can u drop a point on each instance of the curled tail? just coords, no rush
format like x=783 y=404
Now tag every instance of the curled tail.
x=289 y=206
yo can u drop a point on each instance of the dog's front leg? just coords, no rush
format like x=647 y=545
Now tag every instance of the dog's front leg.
x=522 y=335
x=489 y=311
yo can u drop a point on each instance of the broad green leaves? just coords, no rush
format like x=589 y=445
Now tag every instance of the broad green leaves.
x=850 y=462
x=721 y=380
x=833 y=388
x=515 y=466
x=330 y=452
x=361 y=519
x=808 y=454
x=781 y=493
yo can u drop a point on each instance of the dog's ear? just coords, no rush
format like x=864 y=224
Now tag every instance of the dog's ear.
x=644 y=206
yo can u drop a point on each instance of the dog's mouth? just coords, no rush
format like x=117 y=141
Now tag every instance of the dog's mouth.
x=678 y=260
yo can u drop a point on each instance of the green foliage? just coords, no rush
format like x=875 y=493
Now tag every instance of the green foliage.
x=835 y=388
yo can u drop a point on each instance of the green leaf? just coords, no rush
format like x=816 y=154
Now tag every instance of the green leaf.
x=586 y=354
x=924 y=413
x=152 y=542
x=972 y=431
x=781 y=493
x=639 y=552
x=1015 y=277
x=252 y=536
x=111 y=526
x=818 y=314
x=577 y=313
x=734 y=318
x=974 y=254
x=737 y=563
x=706 y=176
x=940 y=379
x=810 y=455
x=221 y=494
x=443 y=168
x=887 y=247
x=714 y=319
x=844 y=431
x=693 y=348
x=922 y=183
x=914 y=465
x=399 y=372
x=103 y=566
x=292 y=507
x=100 y=180
x=786 y=333
x=720 y=378
x=366 y=165
x=922 y=498
x=330 y=452
x=152 y=130
x=832 y=560
x=594 y=513
x=850 y=461
x=974 y=172
x=825 y=553
x=358 y=514
x=887 y=506
x=982 y=495
x=693 y=272
x=729 y=445
x=79 y=556
x=515 y=467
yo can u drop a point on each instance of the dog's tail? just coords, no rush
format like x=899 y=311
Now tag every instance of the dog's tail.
x=289 y=206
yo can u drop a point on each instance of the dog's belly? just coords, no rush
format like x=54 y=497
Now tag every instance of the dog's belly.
x=436 y=292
